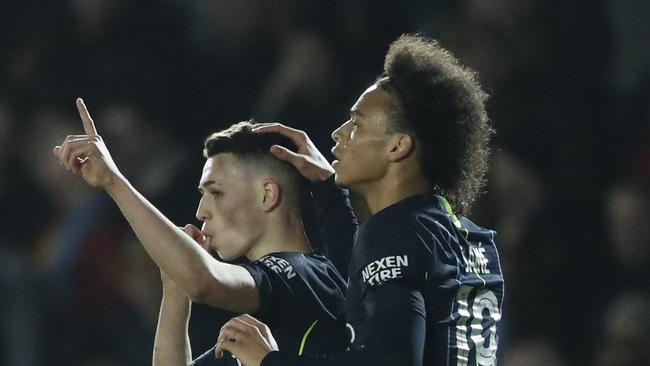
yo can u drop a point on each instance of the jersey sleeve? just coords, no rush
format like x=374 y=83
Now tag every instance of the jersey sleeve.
x=269 y=283
x=337 y=222
x=392 y=250
x=398 y=334
x=385 y=301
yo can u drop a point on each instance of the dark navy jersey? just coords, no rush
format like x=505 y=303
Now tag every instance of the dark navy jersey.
x=424 y=289
x=302 y=294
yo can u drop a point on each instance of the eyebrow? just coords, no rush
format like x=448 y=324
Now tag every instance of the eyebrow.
x=206 y=184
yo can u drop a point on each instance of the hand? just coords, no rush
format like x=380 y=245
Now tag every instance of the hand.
x=246 y=338
x=87 y=154
x=194 y=233
x=308 y=160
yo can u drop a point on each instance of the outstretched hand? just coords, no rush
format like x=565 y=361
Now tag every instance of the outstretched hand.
x=308 y=160
x=247 y=338
x=87 y=154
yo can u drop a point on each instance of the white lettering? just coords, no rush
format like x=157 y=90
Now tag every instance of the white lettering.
x=477 y=262
x=279 y=265
x=384 y=269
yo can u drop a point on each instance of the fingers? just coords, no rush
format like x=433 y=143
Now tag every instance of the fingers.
x=247 y=339
x=233 y=327
x=235 y=330
x=297 y=136
x=57 y=151
x=75 y=155
x=263 y=328
x=89 y=125
x=239 y=328
x=287 y=155
x=69 y=144
x=232 y=347
x=195 y=233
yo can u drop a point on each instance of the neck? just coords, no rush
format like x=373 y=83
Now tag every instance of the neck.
x=284 y=233
x=392 y=189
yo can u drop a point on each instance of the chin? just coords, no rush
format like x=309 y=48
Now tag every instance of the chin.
x=229 y=256
x=224 y=256
x=339 y=180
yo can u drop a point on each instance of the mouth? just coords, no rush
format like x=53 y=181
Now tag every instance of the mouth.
x=207 y=243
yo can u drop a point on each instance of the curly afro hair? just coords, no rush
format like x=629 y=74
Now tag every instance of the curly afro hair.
x=441 y=104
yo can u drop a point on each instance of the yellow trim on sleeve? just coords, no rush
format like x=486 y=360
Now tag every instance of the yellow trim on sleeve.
x=304 y=338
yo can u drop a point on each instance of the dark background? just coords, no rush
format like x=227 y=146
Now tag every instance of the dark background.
x=568 y=189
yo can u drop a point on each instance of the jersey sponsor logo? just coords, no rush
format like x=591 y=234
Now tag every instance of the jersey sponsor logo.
x=279 y=266
x=384 y=269
x=477 y=261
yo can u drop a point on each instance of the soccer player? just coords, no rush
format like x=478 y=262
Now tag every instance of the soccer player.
x=425 y=285
x=250 y=208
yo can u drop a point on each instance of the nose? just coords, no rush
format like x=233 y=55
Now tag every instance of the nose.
x=336 y=135
x=202 y=213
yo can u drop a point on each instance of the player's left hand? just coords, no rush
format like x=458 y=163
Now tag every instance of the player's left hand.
x=87 y=154
x=247 y=338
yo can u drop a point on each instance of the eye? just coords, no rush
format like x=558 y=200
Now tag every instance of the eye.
x=216 y=194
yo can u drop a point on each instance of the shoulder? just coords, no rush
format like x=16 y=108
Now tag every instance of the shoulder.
x=412 y=223
x=288 y=267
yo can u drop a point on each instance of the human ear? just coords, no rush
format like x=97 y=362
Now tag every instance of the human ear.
x=270 y=195
x=401 y=145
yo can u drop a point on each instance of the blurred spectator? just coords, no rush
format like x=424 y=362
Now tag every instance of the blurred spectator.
x=627 y=323
x=628 y=215
x=534 y=353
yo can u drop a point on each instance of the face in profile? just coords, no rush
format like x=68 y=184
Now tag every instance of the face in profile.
x=362 y=142
x=229 y=206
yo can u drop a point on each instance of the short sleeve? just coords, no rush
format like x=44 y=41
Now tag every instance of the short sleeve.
x=278 y=284
x=394 y=251
x=263 y=283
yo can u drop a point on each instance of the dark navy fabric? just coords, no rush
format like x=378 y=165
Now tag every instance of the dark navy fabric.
x=302 y=294
x=424 y=289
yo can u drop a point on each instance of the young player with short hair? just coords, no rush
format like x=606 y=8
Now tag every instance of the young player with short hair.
x=249 y=208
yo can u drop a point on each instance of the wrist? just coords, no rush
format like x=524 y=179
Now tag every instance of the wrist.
x=174 y=294
x=116 y=184
x=325 y=174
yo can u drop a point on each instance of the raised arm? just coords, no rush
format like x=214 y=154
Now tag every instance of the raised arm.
x=192 y=268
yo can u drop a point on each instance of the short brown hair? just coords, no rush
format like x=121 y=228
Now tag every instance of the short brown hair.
x=253 y=148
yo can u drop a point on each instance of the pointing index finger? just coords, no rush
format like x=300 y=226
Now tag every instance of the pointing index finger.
x=89 y=125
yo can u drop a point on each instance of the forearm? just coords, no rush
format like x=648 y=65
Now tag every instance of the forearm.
x=172 y=343
x=175 y=253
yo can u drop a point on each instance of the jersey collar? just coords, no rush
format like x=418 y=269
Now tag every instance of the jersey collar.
x=443 y=205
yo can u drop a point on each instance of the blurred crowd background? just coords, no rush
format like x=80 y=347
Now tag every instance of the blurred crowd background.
x=568 y=187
